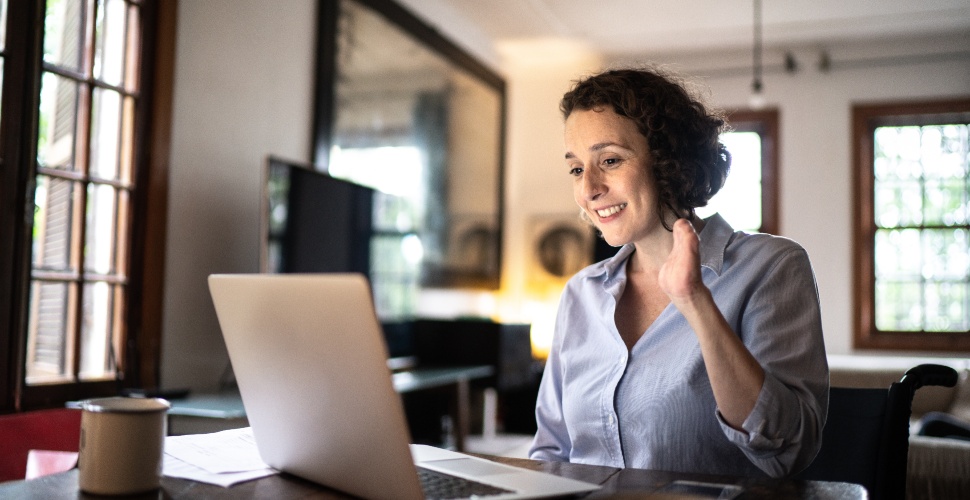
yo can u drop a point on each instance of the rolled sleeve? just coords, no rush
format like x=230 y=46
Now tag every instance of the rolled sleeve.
x=773 y=436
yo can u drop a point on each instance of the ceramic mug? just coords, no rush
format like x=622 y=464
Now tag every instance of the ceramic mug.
x=122 y=442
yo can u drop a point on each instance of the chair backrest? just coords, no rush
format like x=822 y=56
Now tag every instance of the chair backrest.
x=866 y=435
x=852 y=438
x=57 y=430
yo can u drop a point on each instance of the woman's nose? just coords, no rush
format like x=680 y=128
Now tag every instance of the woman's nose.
x=592 y=186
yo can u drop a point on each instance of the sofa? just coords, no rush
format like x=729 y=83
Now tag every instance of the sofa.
x=938 y=467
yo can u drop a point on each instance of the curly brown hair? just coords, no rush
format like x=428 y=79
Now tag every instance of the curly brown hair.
x=690 y=165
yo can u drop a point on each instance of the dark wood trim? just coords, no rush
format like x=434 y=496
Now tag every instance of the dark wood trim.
x=863 y=276
x=865 y=119
x=404 y=18
x=765 y=123
x=146 y=293
x=54 y=395
x=328 y=13
x=18 y=142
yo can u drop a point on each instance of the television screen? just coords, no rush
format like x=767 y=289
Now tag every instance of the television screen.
x=315 y=223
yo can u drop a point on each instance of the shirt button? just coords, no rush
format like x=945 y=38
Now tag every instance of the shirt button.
x=611 y=419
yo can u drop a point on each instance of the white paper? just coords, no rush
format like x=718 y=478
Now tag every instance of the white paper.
x=227 y=451
x=224 y=458
x=173 y=467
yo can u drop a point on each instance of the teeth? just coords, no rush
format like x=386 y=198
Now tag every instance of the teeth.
x=610 y=211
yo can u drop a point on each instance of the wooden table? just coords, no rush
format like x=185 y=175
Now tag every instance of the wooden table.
x=203 y=413
x=617 y=484
x=458 y=378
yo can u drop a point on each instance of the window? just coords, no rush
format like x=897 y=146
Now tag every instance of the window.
x=84 y=184
x=749 y=198
x=912 y=235
x=74 y=150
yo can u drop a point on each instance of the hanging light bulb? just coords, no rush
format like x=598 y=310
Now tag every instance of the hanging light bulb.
x=757 y=98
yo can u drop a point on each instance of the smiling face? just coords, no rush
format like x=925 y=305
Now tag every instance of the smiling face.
x=612 y=169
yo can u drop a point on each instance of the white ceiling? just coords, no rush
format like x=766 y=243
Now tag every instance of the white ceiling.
x=617 y=27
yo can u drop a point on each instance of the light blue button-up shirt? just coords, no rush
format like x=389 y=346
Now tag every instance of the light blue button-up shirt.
x=652 y=407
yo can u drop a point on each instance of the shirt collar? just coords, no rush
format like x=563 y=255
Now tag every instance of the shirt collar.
x=715 y=237
x=714 y=240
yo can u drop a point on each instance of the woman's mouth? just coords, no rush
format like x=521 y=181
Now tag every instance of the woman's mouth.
x=607 y=212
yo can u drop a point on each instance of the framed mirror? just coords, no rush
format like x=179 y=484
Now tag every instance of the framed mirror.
x=403 y=110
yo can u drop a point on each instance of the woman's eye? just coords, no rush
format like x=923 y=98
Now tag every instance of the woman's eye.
x=611 y=161
x=575 y=171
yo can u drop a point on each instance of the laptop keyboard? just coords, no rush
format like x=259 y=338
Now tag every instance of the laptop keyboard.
x=442 y=486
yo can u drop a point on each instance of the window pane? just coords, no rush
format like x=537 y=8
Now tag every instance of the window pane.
x=739 y=201
x=945 y=255
x=898 y=203
x=127 y=152
x=49 y=351
x=100 y=238
x=54 y=201
x=898 y=254
x=63 y=32
x=133 y=54
x=105 y=133
x=946 y=202
x=98 y=359
x=946 y=307
x=922 y=256
x=899 y=306
x=944 y=152
x=897 y=153
x=58 y=119
x=109 y=41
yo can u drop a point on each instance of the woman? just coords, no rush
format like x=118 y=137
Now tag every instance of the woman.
x=695 y=348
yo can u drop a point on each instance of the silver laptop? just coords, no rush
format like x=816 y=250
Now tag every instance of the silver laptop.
x=310 y=360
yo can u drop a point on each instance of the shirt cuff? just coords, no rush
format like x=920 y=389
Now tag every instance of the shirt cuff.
x=754 y=436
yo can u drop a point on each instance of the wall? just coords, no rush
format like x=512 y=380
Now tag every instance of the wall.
x=244 y=74
x=243 y=89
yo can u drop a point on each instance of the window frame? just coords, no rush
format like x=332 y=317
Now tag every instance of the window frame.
x=23 y=67
x=764 y=122
x=865 y=119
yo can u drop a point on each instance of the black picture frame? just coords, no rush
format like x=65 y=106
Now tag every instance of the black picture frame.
x=325 y=112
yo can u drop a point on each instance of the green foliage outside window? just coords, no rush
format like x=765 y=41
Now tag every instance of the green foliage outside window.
x=922 y=216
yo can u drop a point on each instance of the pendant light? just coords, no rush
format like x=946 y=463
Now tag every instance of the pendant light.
x=757 y=99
